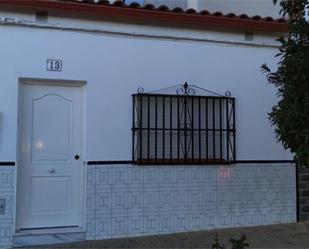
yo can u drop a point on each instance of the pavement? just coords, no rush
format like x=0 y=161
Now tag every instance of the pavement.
x=293 y=235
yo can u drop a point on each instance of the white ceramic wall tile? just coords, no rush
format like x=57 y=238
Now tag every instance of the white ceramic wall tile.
x=6 y=230
x=196 y=220
x=181 y=221
x=91 y=176
x=91 y=227
x=135 y=177
x=150 y=177
x=104 y=203
x=166 y=178
x=166 y=222
x=105 y=176
x=166 y=199
x=119 y=201
x=7 y=192
x=132 y=200
x=119 y=226
x=103 y=226
x=91 y=203
x=91 y=200
x=135 y=224
x=210 y=220
x=119 y=177
x=135 y=201
x=151 y=223
x=7 y=179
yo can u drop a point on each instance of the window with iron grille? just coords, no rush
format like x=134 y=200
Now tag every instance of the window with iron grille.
x=183 y=128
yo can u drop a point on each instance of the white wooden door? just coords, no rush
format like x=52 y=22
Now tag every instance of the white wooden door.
x=50 y=192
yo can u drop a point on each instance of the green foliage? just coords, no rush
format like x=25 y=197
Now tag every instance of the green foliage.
x=217 y=244
x=240 y=243
x=236 y=244
x=290 y=116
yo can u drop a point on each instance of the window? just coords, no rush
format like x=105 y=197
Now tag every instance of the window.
x=183 y=128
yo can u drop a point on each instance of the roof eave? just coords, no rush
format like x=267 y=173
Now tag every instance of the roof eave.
x=207 y=21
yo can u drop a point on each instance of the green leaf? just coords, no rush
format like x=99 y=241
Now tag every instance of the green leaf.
x=290 y=116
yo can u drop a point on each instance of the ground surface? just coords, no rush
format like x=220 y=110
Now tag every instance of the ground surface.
x=295 y=235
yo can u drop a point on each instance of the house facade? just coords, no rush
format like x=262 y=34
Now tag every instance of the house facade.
x=126 y=120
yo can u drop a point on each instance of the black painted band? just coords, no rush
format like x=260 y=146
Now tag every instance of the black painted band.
x=7 y=163
x=109 y=162
x=238 y=161
x=264 y=161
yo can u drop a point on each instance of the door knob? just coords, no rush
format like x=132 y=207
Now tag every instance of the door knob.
x=51 y=171
x=76 y=157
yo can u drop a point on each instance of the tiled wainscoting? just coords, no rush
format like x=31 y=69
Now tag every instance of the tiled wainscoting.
x=7 y=193
x=128 y=200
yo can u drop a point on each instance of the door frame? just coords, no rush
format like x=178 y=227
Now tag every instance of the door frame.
x=50 y=82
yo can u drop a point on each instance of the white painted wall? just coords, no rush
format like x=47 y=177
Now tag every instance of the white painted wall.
x=115 y=66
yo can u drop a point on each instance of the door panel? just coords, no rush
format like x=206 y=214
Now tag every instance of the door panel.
x=50 y=179
x=51 y=141
x=45 y=191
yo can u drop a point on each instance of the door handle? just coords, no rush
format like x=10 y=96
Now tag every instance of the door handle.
x=51 y=171
x=76 y=157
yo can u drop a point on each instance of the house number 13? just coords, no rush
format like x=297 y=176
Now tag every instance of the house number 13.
x=54 y=65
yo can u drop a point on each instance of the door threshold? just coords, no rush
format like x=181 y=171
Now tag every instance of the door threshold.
x=50 y=230
x=48 y=236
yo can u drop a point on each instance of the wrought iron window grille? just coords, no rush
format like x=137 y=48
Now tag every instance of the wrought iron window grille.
x=191 y=126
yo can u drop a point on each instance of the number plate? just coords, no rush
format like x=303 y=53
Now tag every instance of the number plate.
x=54 y=65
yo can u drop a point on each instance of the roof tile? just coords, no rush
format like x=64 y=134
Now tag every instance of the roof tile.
x=215 y=19
x=217 y=13
x=231 y=15
x=149 y=6
x=118 y=3
x=163 y=8
x=178 y=10
x=243 y=16
x=256 y=18
x=104 y=2
x=135 y=5
x=268 y=19
x=190 y=11
x=204 y=12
